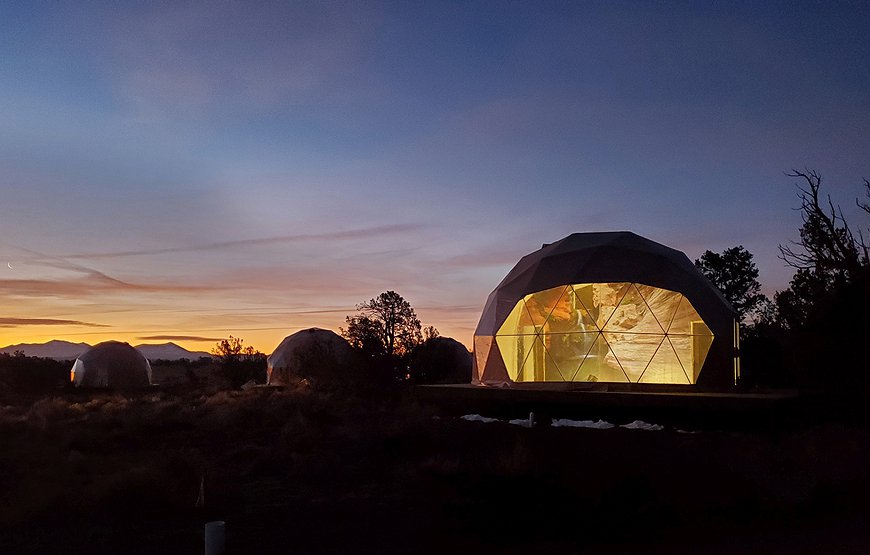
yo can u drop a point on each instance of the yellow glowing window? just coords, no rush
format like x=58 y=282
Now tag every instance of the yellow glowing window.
x=608 y=332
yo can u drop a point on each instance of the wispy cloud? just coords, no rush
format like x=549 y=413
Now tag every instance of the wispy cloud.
x=80 y=287
x=360 y=233
x=90 y=281
x=15 y=322
x=178 y=338
x=61 y=263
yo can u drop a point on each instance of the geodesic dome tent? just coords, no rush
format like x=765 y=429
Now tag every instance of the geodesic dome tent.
x=111 y=364
x=440 y=360
x=313 y=350
x=606 y=307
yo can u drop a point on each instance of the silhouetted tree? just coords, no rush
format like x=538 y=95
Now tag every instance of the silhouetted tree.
x=735 y=274
x=239 y=364
x=385 y=333
x=824 y=310
x=429 y=332
x=828 y=256
x=386 y=325
x=827 y=244
x=364 y=334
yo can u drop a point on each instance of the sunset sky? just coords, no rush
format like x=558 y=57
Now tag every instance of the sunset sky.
x=184 y=171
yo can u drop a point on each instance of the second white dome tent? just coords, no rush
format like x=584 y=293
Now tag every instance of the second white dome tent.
x=111 y=364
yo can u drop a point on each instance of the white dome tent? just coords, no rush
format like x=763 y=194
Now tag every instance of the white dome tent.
x=306 y=351
x=609 y=307
x=111 y=364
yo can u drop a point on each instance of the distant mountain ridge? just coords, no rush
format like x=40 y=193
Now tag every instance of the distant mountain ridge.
x=57 y=349
x=65 y=350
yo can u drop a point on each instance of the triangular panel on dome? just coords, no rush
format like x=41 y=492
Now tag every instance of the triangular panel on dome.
x=599 y=365
x=541 y=304
x=605 y=300
x=568 y=350
x=633 y=351
x=633 y=315
x=511 y=324
x=535 y=366
x=582 y=296
x=686 y=320
x=514 y=350
x=665 y=367
x=552 y=372
x=662 y=302
x=700 y=349
x=692 y=351
x=535 y=363
x=482 y=350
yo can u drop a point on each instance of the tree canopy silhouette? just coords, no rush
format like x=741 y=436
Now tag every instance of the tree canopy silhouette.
x=735 y=274
x=239 y=363
x=386 y=325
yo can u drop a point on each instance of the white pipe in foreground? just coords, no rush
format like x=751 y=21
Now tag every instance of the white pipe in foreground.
x=215 y=537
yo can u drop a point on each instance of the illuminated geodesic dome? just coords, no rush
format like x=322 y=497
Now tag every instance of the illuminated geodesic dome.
x=606 y=307
x=111 y=364
x=311 y=353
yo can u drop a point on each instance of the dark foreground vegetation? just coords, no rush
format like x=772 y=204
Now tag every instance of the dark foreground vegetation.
x=302 y=471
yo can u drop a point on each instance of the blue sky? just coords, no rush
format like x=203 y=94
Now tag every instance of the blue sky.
x=199 y=169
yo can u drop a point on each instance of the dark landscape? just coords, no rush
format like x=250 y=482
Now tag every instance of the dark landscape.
x=302 y=471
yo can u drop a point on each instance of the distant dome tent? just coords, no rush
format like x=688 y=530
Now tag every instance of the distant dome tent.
x=441 y=360
x=111 y=364
x=311 y=353
x=606 y=307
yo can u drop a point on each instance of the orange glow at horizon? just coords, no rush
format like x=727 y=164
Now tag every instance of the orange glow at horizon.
x=264 y=340
x=196 y=299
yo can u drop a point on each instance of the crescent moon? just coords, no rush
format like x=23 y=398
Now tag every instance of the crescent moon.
x=10 y=265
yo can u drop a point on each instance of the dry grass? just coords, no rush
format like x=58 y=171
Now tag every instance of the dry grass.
x=336 y=472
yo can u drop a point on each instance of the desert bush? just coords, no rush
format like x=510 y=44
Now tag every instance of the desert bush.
x=32 y=374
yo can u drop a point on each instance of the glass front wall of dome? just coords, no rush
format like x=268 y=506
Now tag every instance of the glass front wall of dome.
x=605 y=332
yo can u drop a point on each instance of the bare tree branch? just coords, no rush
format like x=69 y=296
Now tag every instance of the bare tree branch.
x=827 y=244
